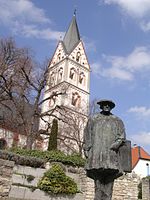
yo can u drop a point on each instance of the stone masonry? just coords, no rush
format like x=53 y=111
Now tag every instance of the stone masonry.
x=125 y=188
x=146 y=188
x=6 y=171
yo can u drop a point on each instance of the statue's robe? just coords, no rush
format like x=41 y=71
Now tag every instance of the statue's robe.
x=103 y=136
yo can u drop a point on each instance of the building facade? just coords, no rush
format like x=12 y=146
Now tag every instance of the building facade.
x=140 y=161
x=69 y=80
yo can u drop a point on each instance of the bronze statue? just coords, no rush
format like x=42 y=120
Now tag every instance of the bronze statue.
x=104 y=136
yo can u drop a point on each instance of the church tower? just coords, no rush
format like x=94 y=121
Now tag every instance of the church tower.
x=69 y=74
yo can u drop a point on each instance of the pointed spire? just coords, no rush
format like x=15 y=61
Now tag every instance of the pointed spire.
x=72 y=36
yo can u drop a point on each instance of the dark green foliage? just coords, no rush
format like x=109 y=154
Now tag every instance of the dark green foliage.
x=55 y=181
x=3 y=143
x=30 y=178
x=147 y=177
x=52 y=143
x=53 y=156
x=140 y=190
x=22 y=160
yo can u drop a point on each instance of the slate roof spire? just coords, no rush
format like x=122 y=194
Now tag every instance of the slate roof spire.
x=72 y=36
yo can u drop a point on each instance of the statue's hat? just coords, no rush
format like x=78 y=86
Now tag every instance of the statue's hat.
x=103 y=102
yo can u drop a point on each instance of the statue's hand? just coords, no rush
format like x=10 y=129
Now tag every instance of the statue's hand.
x=115 y=146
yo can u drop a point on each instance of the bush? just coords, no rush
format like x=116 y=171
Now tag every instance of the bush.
x=53 y=156
x=52 y=143
x=22 y=160
x=55 y=181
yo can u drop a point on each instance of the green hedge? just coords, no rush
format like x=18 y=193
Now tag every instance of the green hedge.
x=22 y=159
x=55 y=181
x=52 y=156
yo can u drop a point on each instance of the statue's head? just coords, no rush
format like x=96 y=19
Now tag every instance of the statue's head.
x=106 y=105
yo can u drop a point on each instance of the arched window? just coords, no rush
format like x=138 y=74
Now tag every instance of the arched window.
x=59 y=56
x=60 y=73
x=53 y=100
x=72 y=73
x=81 y=78
x=52 y=79
x=76 y=99
x=78 y=55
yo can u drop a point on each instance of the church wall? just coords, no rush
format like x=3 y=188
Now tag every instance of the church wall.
x=79 y=56
x=11 y=137
x=78 y=75
x=68 y=68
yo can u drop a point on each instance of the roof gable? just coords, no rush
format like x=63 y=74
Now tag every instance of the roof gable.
x=79 y=55
x=58 y=55
x=137 y=154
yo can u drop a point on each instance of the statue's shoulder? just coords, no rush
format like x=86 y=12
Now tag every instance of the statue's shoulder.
x=97 y=116
x=114 y=117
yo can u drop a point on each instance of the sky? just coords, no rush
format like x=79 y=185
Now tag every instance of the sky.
x=116 y=36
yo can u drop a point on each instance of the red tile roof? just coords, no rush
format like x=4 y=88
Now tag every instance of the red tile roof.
x=138 y=153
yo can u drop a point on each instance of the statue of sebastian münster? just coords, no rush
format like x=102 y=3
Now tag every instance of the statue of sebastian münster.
x=103 y=137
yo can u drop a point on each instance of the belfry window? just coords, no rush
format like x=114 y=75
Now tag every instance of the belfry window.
x=72 y=73
x=81 y=77
x=76 y=99
x=78 y=55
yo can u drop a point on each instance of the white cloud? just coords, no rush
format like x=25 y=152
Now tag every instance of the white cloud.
x=33 y=31
x=145 y=26
x=140 y=112
x=23 y=17
x=124 y=67
x=138 y=9
x=142 y=138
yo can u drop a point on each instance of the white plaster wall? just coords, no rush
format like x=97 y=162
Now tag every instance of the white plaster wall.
x=58 y=55
x=141 y=168
x=7 y=135
x=83 y=59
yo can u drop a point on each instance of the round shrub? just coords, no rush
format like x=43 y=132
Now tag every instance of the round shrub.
x=55 y=181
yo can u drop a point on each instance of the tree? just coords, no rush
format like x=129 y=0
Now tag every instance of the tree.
x=94 y=107
x=71 y=129
x=22 y=83
x=52 y=144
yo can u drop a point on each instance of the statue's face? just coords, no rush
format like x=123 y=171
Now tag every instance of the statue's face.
x=106 y=108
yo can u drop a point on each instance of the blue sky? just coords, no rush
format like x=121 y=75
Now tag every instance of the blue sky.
x=116 y=34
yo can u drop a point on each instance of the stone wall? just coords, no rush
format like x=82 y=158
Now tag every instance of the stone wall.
x=145 y=189
x=125 y=188
x=22 y=188
x=6 y=171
